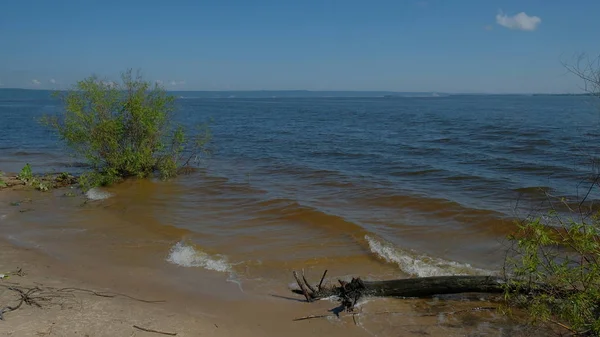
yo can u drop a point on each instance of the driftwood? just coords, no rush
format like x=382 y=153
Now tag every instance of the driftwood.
x=350 y=292
x=155 y=331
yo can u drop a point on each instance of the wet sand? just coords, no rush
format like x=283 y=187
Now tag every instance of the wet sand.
x=81 y=313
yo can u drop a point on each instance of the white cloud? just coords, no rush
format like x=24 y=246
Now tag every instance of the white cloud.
x=109 y=84
x=158 y=82
x=52 y=81
x=174 y=83
x=35 y=82
x=519 y=21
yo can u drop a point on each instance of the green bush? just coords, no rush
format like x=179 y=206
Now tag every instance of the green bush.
x=26 y=175
x=554 y=272
x=124 y=130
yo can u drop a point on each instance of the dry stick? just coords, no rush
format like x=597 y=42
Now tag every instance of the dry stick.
x=302 y=287
x=564 y=326
x=322 y=278
x=307 y=283
x=24 y=298
x=155 y=331
x=107 y=294
x=311 y=317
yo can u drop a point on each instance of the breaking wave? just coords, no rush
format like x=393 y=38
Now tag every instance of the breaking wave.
x=187 y=256
x=419 y=264
x=97 y=194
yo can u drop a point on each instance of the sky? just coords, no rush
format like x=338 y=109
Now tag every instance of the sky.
x=483 y=46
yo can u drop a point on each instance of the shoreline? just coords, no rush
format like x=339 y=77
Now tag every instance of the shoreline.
x=108 y=302
x=77 y=300
x=43 y=183
x=199 y=301
x=105 y=298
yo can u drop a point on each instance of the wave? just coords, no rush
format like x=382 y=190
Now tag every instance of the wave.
x=97 y=194
x=286 y=210
x=420 y=265
x=536 y=191
x=186 y=255
x=28 y=153
x=425 y=171
x=428 y=205
x=536 y=142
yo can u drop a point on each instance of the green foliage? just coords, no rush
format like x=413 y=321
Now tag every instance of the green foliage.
x=26 y=174
x=2 y=183
x=42 y=186
x=124 y=130
x=555 y=272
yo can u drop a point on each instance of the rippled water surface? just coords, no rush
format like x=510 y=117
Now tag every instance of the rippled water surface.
x=383 y=186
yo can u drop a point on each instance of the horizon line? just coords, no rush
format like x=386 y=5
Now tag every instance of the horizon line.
x=341 y=91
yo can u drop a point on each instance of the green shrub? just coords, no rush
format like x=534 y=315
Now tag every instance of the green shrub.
x=554 y=272
x=124 y=130
x=42 y=186
x=26 y=175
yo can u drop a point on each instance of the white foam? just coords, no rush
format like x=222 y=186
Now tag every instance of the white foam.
x=419 y=264
x=187 y=256
x=97 y=194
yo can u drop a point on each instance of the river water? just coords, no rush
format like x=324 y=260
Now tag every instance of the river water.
x=377 y=187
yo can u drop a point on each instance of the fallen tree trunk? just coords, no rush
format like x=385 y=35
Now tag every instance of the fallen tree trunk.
x=428 y=286
x=350 y=292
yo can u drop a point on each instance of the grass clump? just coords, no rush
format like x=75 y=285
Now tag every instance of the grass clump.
x=125 y=130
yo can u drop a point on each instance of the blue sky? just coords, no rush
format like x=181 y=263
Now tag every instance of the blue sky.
x=427 y=45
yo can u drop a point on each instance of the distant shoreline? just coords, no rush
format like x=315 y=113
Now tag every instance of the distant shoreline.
x=313 y=93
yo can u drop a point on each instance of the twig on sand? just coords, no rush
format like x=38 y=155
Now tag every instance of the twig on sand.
x=24 y=297
x=155 y=331
x=311 y=317
x=564 y=326
x=107 y=294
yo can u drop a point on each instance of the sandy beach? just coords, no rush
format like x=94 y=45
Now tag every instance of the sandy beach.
x=89 y=296
x=81 y=301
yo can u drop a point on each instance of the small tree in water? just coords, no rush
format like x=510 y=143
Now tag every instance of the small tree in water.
x=125 y=130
